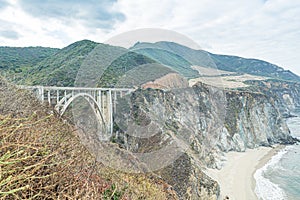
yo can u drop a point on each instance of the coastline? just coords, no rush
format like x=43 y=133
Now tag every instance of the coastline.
x=236 y=178
x=263 y=161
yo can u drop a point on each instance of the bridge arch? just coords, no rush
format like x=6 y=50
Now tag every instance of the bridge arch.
x=67 y=100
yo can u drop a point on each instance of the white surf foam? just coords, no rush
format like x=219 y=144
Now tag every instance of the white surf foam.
x=265 y=189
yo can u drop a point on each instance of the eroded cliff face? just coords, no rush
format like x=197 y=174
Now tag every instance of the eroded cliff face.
x=204 y=121
x=251 y=120
x=284 y=94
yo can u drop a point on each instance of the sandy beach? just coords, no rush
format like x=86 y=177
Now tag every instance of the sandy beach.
x=236 y=177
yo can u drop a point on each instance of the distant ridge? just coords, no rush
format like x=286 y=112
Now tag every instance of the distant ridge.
x=222 y=62
x=253 y=66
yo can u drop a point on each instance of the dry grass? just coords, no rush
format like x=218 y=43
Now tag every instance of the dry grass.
x=38 y=162
x=233 y=81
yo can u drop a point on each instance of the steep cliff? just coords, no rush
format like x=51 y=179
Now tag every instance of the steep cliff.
x=284 y=94
x=252 y=120
x=203 y=122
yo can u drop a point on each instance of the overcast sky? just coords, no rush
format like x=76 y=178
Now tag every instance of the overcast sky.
x=263 y=29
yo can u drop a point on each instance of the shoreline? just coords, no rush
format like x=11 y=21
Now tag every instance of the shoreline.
x=236 y=178
x=263 y=161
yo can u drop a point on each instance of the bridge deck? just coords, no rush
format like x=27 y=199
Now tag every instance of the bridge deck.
x=75 y=88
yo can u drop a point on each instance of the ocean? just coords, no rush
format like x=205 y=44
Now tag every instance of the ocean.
x=279 y=179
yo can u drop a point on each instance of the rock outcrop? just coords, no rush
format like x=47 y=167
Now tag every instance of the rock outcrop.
x=169 y=81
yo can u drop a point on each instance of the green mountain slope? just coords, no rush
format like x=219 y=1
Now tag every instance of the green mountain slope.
x=61 y=68
x=16 y=61
x=222 y=62
x=143 y=74
x=86 y=63
x=170 y=59
x=194 y=57
x=121 y=66
x=253 y=66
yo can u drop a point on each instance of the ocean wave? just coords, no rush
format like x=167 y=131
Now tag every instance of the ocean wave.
x=265 y=189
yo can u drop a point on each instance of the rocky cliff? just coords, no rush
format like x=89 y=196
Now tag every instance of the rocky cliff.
x=284 y=94
x=203 y=122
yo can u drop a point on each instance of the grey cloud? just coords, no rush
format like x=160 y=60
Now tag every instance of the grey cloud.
x=93 y=13
x=9 y=34
x=7 y=30
x=3 y=4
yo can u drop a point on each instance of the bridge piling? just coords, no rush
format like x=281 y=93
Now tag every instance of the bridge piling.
x=48 y=97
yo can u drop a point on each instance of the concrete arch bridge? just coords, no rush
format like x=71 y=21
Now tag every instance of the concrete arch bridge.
x=102 y=100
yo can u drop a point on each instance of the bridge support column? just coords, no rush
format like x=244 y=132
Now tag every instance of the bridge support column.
x=57 y=96
x=65 y=96
x=41 y=94
x=110 y=112
x=115 y=101
x=49 y=97
x=99 y=99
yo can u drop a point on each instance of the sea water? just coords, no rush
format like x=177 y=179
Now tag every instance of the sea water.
x=279 y=179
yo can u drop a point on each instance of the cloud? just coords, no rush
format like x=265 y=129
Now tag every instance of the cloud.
x=58 y=23
x=3 y=4
x=93 y=13
x=268 y=30
x=7 y=30
x=9 y=34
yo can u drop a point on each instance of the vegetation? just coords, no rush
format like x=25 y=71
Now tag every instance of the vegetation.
x=16 y=61
x=222 y=62
x=14 y=57
x=41 y=157
x=60 y=69
x=253 y=66
x=171 y=60
x=194 y=57
x=142 y=74
x=121 y=66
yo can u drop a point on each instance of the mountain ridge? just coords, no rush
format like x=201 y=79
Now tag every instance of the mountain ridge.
x=223 y=62
x=60 y=66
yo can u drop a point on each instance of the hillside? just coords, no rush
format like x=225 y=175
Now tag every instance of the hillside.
x=42 y=157
x=195 y=57
x=125 y=63
x=222 y=62
x=143 y=74
x=16 y=61
x=61 y=68
x=171 y=60
x=253 y=66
